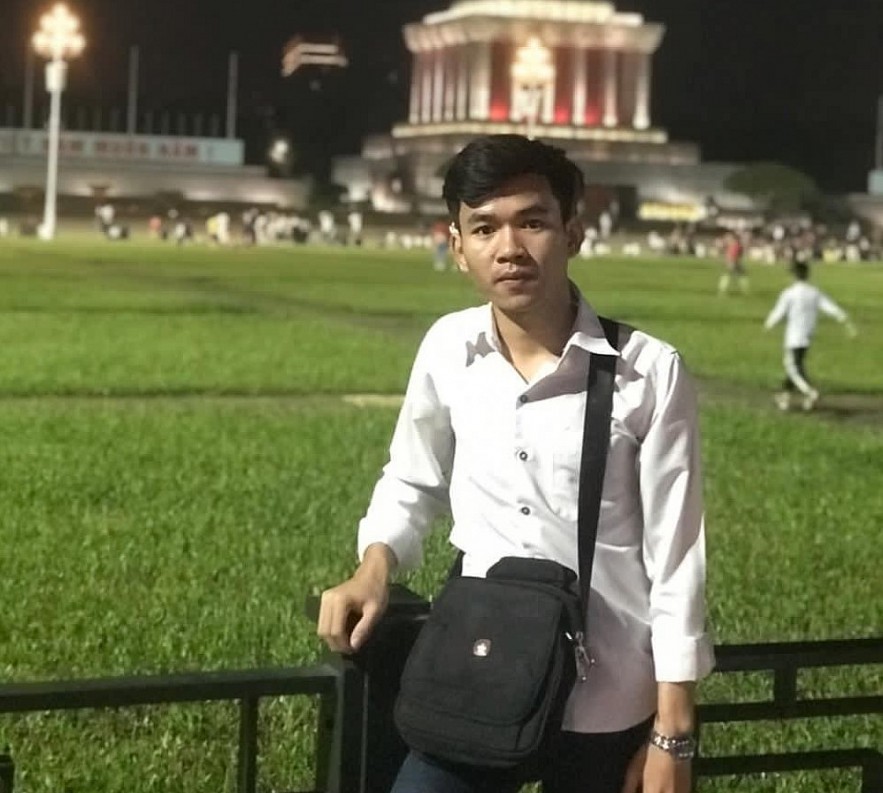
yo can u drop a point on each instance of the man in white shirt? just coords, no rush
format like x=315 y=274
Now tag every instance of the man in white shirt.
x=800 y=305
x=356 y=223
x=105 y=214
x=491 y=430
x=327 y=226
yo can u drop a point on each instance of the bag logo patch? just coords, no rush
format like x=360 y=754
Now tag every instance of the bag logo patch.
x=482 y=648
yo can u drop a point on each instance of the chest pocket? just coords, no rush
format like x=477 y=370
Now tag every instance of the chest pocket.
x=566 y=456
x=619 y=475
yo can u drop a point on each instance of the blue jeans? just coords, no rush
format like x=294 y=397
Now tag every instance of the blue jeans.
x=578 y=763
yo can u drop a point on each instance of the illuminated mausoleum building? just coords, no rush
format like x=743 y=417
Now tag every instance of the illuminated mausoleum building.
x=574 y=73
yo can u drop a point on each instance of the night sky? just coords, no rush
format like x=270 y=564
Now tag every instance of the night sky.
x=791 y=80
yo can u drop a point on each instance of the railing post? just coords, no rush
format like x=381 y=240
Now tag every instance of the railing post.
x=358 y=747
x=7 y=773
x=785 y=686
x=247 y=772
x=383 y=660
x=872 y=774
x=340 y=750
x=325 y=726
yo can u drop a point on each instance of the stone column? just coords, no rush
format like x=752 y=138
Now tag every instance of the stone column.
x=416 y=84
x=611 y=97
x=450 y=59
x=462 y=82
x=562 y=105
x=480 y=88
x=501 y=82
x=579 y=87
x=642 y=106
x=438 y=85
x=426 y=86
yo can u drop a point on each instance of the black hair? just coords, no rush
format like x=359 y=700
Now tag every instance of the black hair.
x=488 y=162
x=800 y=270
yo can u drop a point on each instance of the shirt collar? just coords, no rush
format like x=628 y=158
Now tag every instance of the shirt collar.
x=587 y=332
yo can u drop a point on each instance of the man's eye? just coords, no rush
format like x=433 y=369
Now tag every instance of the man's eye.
x=534 y=224
x=482 y=231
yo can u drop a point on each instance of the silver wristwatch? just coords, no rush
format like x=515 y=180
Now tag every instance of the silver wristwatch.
x=680 y=747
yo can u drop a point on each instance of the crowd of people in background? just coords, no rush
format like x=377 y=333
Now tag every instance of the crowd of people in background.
x=778 y=241
x=805 y=241
x=258 y=227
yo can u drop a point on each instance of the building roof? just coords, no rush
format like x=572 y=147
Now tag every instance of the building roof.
x=569 y=11
x=574 y=23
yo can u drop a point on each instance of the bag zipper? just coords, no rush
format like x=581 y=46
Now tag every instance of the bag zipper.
x=582 y=657
x=584 y=661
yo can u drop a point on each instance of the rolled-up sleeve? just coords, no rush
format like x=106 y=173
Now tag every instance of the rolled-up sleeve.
x=670 y=471
x=413 y=488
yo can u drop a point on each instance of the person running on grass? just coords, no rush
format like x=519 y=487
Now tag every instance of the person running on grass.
x=734 y=265
x=491 y=429
x=800 y=305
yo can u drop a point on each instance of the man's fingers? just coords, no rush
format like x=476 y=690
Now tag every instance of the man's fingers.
x=370 y=615
x=634 y=775
x=327 y=606
x=333 y=614
x=346 y=622
x=632 y=782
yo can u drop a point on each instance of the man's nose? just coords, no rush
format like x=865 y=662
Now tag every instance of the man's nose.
x=509 y=244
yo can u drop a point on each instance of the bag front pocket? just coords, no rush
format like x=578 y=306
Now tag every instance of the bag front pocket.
x=485 y=651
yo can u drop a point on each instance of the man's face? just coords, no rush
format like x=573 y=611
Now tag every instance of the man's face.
x=515 y=245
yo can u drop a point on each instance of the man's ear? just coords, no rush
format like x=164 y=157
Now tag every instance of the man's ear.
x=576 y=233
x=456 y=243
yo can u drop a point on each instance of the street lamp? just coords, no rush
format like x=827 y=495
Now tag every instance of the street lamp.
x=57 y=40
x=533 y=71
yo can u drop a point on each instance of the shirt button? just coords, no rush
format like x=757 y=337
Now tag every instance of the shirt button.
x=525 y=510
x=522 y=399
x=522 y=456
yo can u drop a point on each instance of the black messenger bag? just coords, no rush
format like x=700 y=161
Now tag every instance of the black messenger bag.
x=491 y=671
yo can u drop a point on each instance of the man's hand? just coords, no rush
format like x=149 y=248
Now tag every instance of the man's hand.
x=362 y=599
x=653 y=771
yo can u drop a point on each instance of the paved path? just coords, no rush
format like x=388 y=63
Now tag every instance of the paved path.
x=850 y=409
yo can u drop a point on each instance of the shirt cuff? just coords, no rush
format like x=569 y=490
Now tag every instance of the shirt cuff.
x=406 y=545
x=679 y=659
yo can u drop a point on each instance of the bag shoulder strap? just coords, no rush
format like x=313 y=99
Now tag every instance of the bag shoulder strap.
x=596 y=441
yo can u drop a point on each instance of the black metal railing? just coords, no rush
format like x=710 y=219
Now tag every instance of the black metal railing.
x=359 y=751
x=785 y=661
x=245 y=687
x=355 y=698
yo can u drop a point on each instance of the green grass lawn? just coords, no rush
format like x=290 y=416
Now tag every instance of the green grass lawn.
x=178 y=474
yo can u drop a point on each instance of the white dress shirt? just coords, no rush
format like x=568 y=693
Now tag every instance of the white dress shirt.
x=800 y=303
x=503 y=455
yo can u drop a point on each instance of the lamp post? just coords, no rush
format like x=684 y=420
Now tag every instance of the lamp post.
x=532 y=72
x=57 y=40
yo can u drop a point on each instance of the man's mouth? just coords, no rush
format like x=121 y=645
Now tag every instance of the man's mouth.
x=517 y=275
